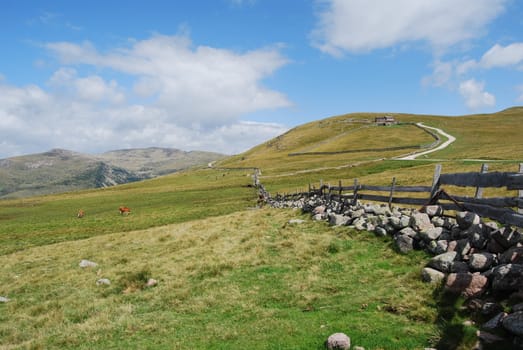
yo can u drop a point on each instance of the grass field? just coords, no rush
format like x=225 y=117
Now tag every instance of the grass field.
x=244 y=280
x=232 y=276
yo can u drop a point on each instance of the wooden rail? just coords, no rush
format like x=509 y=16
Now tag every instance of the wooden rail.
x=506 y=210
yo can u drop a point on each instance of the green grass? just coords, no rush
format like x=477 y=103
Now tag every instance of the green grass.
x=176 y=198
x=231 y=277
x=246 y=280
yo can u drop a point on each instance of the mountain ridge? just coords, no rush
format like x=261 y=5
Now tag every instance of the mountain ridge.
x=62 y=170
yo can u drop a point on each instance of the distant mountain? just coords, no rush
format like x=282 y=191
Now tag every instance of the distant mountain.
x=61 y=170
x=155 y=161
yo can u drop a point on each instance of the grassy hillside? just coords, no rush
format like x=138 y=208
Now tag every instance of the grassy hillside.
x=231 y=276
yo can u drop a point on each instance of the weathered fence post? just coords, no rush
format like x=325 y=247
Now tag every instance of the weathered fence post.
x=435 y=181
x=479 y=190
x=355 y=192
x=392 y=186
x=520 y=192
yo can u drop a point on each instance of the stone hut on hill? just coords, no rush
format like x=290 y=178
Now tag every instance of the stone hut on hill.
x=385 y=120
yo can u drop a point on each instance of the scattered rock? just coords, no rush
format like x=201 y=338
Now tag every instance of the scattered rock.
x=296 y=221
x=151 y=282
x=86 y=263
x=103 y=281
x=338 y=341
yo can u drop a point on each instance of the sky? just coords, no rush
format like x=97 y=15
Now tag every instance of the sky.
x=226 y=75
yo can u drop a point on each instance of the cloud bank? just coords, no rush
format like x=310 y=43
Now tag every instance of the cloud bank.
x=180 y=95
x=358 y=26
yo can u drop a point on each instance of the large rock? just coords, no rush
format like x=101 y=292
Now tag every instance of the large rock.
x=420 y=222
x=465 y=219
x=430 y=275
x=338 y=341
x=338 y=219
x=507 y=277
x=466 y=284
x=481 y=261
x=403 y=243
x=514 y=323
x=431 y=234
x=433 y=210
x=443 y=262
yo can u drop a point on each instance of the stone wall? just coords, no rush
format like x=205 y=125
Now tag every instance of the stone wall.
x=479 y=260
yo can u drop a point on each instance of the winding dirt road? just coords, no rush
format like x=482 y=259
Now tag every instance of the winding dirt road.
x=449 y=137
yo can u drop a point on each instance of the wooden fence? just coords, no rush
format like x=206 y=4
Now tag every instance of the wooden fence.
x=506 y=210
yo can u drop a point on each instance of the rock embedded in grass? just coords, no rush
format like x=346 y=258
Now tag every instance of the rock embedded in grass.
x=338 y=341
x=86 y=263
x=4 y=300
x=103 y=281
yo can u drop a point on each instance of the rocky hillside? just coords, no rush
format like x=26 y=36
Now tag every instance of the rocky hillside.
x=62 y=170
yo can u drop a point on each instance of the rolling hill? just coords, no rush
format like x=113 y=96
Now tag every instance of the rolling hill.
x=62 y=170
x=230 y=275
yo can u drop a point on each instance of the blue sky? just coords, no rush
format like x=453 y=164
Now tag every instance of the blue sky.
x=225 y=75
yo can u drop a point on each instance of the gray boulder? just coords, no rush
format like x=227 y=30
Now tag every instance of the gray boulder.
x=507 y=277
x=403 y=243
x=420 y=222
x=465 y=219
x=431 y=233
x=338 y=341
x=338 y=219
x=481 y=261
x=443 y=262
x=430 y=275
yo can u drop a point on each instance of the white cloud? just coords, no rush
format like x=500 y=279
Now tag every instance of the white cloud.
x=502 y=56
x=364 y=25
x=196 y=85
x=92 y=88
x=475 y=96
x=180 y=96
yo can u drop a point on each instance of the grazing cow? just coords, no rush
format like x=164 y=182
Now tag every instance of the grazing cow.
x=124 y=211
x=80 y=214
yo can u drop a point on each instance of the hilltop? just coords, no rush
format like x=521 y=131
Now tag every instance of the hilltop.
x=61 y=170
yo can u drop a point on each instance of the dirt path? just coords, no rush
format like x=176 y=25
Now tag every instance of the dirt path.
x=449 y=137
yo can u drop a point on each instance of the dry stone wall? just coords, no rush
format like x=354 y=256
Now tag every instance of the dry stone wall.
x=479 y=260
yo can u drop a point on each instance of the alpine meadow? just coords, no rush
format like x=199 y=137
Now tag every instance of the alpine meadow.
x=201 y=263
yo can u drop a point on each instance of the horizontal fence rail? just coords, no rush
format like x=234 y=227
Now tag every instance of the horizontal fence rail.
x=506 y=210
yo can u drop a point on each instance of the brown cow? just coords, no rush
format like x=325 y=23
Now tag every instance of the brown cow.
x=80 y=214
x=124 y=211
